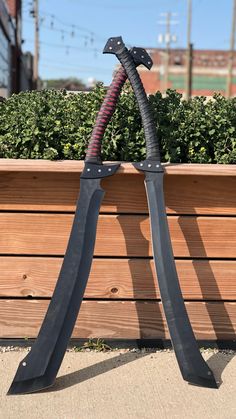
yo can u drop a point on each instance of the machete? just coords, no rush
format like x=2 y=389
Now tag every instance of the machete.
x=193 y=367
x=39 y=368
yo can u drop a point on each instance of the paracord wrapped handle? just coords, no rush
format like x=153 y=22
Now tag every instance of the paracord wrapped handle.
x=93 y=154
x=116 y=46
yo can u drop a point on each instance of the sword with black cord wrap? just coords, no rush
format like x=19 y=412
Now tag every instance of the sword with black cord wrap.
x=39 y=368
x=192 y=366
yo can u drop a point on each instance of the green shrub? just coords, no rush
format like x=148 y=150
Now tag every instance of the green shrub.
x=53 y=125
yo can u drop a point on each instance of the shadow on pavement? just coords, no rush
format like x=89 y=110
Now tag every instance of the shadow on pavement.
x=218 y=362
x=94 y=370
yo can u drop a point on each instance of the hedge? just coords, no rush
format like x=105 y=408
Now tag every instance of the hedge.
x=51 y=124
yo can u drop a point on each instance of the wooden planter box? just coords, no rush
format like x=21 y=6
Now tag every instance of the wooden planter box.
x=37 y=200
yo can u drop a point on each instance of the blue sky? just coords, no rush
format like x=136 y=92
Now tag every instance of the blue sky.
x=73 y=47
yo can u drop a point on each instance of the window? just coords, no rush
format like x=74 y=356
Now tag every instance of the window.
x=177 y=60
x=4 y=65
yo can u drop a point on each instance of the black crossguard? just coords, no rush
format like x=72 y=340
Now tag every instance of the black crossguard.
x=39 y=368
x=192 y=366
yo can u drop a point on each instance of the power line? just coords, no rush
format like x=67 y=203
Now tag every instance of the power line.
x=73 y=26
x=61 y=31
x=64 y=23
x=84 y=49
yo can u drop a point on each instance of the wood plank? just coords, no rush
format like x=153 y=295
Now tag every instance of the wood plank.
x=119 y=319
x=76 y=166
x=35 y=191
x=123 y=235
x=200 y=195
x=119 y=278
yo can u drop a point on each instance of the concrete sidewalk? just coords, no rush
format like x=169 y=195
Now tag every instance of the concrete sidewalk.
x=122 y=385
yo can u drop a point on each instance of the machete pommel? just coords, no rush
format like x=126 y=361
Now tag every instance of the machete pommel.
x=141 y=56
x=114 y=45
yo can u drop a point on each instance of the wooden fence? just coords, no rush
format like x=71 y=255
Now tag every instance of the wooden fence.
x=122 y=300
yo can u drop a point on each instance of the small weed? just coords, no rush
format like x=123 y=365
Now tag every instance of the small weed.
x=97 y=345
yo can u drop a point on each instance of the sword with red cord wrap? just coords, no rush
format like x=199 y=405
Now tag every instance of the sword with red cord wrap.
x=39 y=368
x=193 y=367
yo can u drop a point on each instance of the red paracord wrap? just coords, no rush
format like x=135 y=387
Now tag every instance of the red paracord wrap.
x=104 y=115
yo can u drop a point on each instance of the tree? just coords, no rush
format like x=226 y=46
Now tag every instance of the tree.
x=71 y=83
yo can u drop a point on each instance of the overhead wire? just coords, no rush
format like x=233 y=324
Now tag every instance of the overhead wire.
x=49 y=44
x=47 y=22
x=73 y=26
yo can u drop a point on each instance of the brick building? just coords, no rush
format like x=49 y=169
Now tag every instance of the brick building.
x=15 y=67
x=209 y=71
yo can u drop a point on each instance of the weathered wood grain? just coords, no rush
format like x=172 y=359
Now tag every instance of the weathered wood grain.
x=119 y=278
x=36 y=191
x=122 y=235
x=128 y=320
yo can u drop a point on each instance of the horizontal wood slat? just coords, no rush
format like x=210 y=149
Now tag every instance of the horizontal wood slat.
x=47 y=234
x=128 y=320
x=124 y=194
x=119 y=278
x=76 y=166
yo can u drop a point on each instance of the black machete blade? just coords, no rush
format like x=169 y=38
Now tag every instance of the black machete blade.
x=39 y=368
x=192 y=366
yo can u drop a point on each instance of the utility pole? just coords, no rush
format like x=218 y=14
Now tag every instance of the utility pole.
x=36 y=44
x=231 y=53
x=191 y=71
x=167 y=38
x=189 y=53
x=167 y=55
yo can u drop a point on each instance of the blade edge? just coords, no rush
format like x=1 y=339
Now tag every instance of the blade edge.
x=191 y=363
x=40 y=355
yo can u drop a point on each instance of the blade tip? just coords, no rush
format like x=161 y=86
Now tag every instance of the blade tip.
x=208 y=382
x=12 y=391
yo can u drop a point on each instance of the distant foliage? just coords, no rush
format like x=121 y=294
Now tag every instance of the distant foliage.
x=58 y=84
x=53 y=125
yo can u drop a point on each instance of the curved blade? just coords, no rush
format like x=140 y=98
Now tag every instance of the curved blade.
x=39 y=368
x=192 y=366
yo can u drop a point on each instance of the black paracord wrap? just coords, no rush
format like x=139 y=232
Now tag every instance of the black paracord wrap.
x=93 y=154
x=152 y=145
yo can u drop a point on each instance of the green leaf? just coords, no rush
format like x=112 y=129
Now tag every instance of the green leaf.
x=54 y=125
